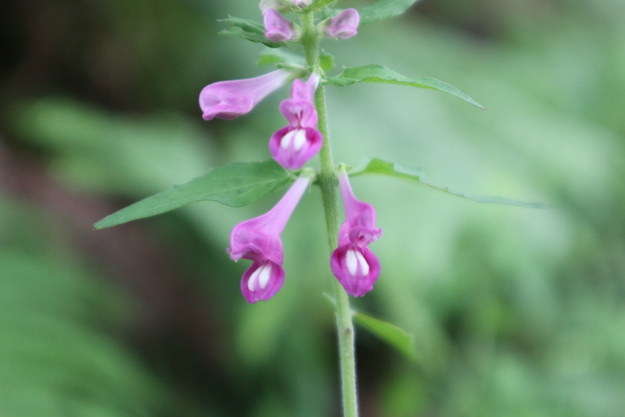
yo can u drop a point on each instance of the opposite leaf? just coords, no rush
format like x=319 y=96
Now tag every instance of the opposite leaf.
x=380 y=74
x=383 y=9
x=237 y=184
x=378 y=166
x=389 y=333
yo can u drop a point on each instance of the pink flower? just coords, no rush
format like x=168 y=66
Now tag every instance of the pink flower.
x=293 y=145
x=344 y=25
x=231 y=99
x=353 y=263
x=277 y=27
x=258 y=240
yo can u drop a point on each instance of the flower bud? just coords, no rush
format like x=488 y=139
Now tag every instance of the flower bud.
x=277 y=27
x=344 y=25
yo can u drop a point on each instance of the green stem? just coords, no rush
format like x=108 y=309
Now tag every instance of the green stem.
x=329 y=192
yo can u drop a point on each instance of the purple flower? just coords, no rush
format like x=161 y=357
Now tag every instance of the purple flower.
x=301 y=3
x=353 y=263
x=293 y=145
x=344 y=25
x=277 y=27
x=231 y=99
x=258 y=240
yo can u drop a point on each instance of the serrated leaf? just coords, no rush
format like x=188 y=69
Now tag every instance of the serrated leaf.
x=248 y=30
x=383 y=9
x=237 y=184
x=389 y=333
x=375 y=73
x=378 y=166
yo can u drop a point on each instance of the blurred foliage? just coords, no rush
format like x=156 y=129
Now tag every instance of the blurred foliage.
x=515 y=312
x=59 y=353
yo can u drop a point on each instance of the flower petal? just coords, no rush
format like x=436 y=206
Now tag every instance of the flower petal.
x=231 y=99
x=262 y=281
x=293 y=147
x=356 y=268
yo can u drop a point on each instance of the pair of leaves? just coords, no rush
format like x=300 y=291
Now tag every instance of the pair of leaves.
x=381 y=9
x=242 y=183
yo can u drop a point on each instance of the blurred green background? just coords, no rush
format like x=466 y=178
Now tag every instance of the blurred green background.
x=515 y=312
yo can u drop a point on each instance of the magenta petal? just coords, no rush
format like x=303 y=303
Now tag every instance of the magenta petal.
x=277 y=27
x=344 y=25
x=292 y=148
x=249 y=242
x=299 y=113
x=231 y=99
x=305 y=90
x=259 y=238
x=359 y=224
x=262 y=281
x=356 y=268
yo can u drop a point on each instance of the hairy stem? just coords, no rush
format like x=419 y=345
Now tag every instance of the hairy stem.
x=329 y=192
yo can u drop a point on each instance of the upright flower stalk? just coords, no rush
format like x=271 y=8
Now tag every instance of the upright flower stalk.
x=328 y=185
x=292 y=146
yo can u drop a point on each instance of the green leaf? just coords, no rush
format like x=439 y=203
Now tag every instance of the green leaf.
x=378 y=166
x=249 y=30
x=281 y=58
x=326 y=62
x=383 y=9
x=374 y=73
x=321 y=4
x=389 y=333
x=237 y=184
